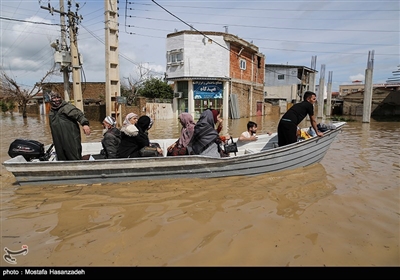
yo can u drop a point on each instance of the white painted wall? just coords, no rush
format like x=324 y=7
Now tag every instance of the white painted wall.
x=287 y=92
x=160 y=111
x=202 y=57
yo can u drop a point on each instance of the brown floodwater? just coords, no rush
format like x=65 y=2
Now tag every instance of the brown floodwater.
x=343 y=211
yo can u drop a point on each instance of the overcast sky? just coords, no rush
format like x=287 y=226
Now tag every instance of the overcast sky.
x=339 y=33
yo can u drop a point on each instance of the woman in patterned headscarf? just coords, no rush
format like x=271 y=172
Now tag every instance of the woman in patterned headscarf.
x=179 y=147
x=131 y=118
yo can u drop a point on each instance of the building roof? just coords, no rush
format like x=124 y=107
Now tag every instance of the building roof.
x=291 y=66
x=227 y=37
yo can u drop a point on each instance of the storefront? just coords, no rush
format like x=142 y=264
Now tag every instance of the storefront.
x=195 y=96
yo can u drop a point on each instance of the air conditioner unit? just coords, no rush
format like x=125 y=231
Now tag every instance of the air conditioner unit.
x=177 y=94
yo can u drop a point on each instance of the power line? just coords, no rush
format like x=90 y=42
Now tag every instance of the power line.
x=190 y=26
x=286 y=9
x=120 y=54
x=269 y=17
x=267 y=27
x=28 y=21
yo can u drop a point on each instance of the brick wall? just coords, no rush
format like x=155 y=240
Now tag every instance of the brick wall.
x=90 y=90
x=247 y=107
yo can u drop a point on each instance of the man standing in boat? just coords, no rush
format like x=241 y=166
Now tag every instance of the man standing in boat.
x=64 y=124
x=287 y=127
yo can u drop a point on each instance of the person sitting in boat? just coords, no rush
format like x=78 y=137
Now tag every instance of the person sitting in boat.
x=111 y=138
x=250 y=134
x=134 y=138
x=206 y=140
x=144 y=124
x=287 y=127
x=131 y=118
x=179 y=148
x=131 y=141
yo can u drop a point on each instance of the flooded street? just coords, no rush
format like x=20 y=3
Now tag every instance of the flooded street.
x=343 y=211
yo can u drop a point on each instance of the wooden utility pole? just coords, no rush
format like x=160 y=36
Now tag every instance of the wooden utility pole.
x=368 y=88
x=113 y=85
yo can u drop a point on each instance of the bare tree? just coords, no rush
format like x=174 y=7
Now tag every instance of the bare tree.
x=12 y=91
x=131 y=92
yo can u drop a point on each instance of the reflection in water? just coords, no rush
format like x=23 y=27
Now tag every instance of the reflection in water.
x=300 y=190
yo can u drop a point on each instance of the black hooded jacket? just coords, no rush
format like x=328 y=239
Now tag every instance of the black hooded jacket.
x=64 y=125
x=111 y=141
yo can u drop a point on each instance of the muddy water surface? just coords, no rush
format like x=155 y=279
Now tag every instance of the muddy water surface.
x=343 y=211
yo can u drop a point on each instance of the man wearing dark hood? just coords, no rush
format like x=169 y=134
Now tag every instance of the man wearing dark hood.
x=64 y=124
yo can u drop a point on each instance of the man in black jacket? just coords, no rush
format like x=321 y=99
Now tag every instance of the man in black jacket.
x=64 y=124
x=287 y=127
x=111 y=137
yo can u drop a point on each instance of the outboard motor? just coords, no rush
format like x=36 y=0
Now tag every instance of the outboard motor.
x=29 y=149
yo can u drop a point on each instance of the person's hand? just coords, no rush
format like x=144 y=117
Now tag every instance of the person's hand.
x=320 y=134
x=253 y=138
x=86 y=129
x=160 y=152
x=171 y=147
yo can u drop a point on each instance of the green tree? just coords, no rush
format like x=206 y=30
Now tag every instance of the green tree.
x=11 y=106
x=156 y=88
x=4 y=107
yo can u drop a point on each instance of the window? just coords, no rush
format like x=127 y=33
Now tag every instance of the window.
x=175 y=57
x=243 y=64
x=281 y=77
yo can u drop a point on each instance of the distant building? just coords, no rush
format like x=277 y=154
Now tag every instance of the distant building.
x=385 y=99
x=215 y=70
x=286 y=84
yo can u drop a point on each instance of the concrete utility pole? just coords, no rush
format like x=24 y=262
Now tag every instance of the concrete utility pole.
x=368 y=88
x=61 y=55
x=64 y=57
x=75 y=61
x=64 y=47
x=321 y=90
x=329 y=94
x=113 y=85
x=312 y=75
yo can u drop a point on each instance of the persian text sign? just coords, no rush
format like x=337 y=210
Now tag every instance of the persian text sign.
x=208 y=89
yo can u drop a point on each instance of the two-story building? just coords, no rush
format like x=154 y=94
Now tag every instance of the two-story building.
x=215 y=70
x=286 y=84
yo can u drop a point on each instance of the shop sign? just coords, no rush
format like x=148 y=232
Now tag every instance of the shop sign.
x=208 y=89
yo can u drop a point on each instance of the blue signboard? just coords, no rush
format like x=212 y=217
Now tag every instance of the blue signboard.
x=208 y=89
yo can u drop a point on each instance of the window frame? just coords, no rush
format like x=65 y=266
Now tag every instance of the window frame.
x=242 y=64
x=175 y=57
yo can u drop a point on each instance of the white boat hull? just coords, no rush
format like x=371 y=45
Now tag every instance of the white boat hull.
x=253 y=158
